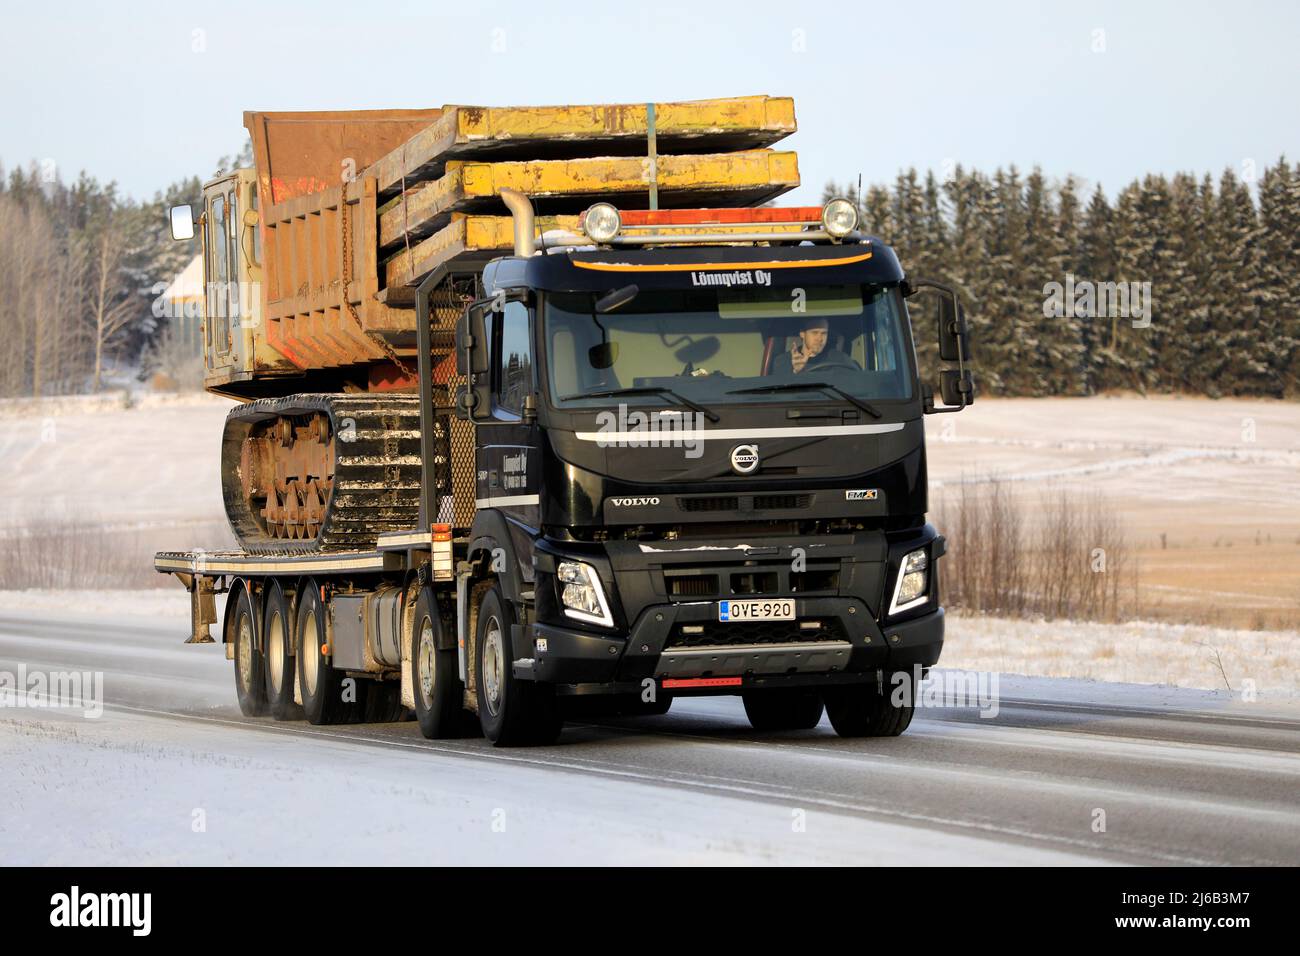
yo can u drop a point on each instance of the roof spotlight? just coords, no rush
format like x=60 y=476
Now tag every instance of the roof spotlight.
x=839 y=218
x=601 y=222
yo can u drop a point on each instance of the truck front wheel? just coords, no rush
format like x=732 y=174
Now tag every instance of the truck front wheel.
x=783 y=709
x=513 y=712
x=867 y=710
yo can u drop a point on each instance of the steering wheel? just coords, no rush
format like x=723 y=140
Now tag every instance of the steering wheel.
x=850 y=365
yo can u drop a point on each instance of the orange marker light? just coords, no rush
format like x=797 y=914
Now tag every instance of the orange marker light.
x=673 y=682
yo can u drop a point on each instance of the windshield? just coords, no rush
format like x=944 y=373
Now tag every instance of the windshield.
x=720 y=346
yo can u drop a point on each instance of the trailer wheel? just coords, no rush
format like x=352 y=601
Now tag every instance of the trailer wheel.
x=783 y=709
x=438 y=690
x=322 y=686
x=863 y=710
x=276 y=637
x=250 y=684
x=512 y=712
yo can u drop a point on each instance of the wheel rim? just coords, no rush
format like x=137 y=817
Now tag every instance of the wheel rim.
x=427 y=654
x=494 y=671
x=275 y=650
x=310 y=652
x=245 y=651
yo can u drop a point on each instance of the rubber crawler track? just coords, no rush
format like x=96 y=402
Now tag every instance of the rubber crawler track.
x=376 y=470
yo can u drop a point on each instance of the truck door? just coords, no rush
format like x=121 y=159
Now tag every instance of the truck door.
x=508 y=467
x=219 y=272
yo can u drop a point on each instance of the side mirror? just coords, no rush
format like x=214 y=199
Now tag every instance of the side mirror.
x=954 y=333
x=957 y=386
x=182 y=222
x=474 y=401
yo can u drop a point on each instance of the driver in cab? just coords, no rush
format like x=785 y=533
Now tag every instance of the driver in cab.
x=809 y=351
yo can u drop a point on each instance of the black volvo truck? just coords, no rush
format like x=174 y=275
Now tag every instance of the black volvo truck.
x=674 y=454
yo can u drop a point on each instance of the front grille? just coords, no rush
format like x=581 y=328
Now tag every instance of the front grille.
x=692 y=585
x=815 y=579
x=781 y=502
x=747 y=503
x=755 y=582
x=714 y=503
x=721 y=633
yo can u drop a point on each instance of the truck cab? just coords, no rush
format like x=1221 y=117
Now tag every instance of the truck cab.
x=228 y=224
x=700 y=468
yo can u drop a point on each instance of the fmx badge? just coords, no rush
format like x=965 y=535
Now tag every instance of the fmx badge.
x=744 y=459
x=861 y=494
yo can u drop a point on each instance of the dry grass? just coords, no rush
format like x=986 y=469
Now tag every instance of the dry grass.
x=1062 y=556
x=64 y=553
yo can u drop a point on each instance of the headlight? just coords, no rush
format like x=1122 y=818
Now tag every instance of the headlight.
x=839 y=218
x=581 y=594
x=912 y=584
x=601 y=223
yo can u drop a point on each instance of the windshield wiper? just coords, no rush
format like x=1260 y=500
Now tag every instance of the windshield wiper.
x=645 y=390
x=802 y=386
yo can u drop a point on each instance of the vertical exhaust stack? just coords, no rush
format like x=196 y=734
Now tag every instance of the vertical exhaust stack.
x=521 y=208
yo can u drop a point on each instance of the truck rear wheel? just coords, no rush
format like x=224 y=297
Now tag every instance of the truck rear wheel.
x=438 y=690
x=513 y=712
x=783 y=709
x=381 y=701
x=277 y=634
x=865 y=710
x=322 y=686
x=250 y=683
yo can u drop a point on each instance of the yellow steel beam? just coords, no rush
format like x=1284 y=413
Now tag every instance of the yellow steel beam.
x=542 y=132
x=730 y=179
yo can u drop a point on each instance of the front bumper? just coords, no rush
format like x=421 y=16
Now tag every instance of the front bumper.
x=848 y=644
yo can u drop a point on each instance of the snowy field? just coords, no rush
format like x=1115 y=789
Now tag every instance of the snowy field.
x=1205 y=490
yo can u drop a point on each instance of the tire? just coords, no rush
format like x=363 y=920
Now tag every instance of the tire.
x=250 y=680
x=783 y=709
x=277 y=644
x=863 y=710
x=381 y=701
x=438 y=690
x=512 y=712
x=322 y=686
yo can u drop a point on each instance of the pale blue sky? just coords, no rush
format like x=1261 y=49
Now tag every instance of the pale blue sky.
x=118 y=89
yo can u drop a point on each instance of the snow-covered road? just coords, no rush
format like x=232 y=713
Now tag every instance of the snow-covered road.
x=1068 y=771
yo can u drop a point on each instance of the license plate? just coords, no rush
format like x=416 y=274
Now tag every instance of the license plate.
x=756 y=610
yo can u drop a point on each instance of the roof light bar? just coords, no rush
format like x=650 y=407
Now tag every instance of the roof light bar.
x=603 y=224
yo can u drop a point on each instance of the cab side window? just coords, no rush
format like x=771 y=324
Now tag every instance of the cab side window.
x=219 y=274
x=512 y=358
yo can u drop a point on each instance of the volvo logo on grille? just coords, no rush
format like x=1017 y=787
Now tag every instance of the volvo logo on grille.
x=744 y=459
x=627 y=502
